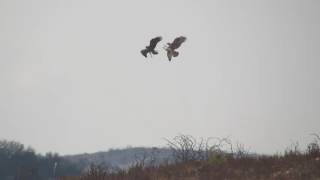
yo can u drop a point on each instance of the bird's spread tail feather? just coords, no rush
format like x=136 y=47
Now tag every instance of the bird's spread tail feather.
x=144 y=52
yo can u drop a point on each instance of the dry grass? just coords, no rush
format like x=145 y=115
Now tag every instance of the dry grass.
x=290 y=166
x=264 y=168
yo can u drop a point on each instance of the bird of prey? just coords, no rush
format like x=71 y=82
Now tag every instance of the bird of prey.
x=171 y=48
x=151 y=48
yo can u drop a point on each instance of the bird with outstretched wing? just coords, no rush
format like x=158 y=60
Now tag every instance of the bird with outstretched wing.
x=151 y=48
x=171 y=48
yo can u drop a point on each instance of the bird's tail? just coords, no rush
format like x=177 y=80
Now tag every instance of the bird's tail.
x=144 y=52
x=169 y=54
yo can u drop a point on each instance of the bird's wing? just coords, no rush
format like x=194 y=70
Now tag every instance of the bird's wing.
x=177 y=42
x=154 y=42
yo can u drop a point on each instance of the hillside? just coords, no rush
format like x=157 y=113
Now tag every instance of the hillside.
x=121 y=158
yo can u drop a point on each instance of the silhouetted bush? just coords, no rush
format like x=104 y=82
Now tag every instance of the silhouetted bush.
x=18 y=162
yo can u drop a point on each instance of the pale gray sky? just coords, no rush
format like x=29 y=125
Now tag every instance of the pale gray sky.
x=72 y=78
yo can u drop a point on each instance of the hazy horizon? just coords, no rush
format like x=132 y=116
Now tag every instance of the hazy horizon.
x=72 y=79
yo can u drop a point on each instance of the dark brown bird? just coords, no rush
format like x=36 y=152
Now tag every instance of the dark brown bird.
x=151 y=48
x=173 y=46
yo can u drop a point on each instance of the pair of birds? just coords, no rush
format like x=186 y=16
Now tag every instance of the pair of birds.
x=170 y=48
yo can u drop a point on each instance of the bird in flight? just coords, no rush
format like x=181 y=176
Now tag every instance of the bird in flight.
x=151 y=48
x=171 y=48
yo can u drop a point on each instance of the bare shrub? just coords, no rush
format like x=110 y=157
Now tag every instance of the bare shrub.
x=313 y=148
x=148 y=158
x=292 y=150
x=188 y=148
x=95 y=172
x=240 y=151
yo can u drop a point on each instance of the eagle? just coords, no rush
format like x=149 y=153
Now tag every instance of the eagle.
x=173 y=46
x=151 y=48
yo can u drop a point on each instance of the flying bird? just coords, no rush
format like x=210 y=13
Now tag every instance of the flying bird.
x=151 y=48
x=171 y=48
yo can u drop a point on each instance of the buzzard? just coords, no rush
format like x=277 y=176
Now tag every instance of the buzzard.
x=173 y=46
x=151 y=48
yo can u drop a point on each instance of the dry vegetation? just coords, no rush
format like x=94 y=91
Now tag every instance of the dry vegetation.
x=197 y=160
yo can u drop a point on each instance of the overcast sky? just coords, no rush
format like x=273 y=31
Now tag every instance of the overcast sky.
x=72 y=78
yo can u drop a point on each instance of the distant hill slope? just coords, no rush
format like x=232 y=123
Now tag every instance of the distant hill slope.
x=122 y=158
